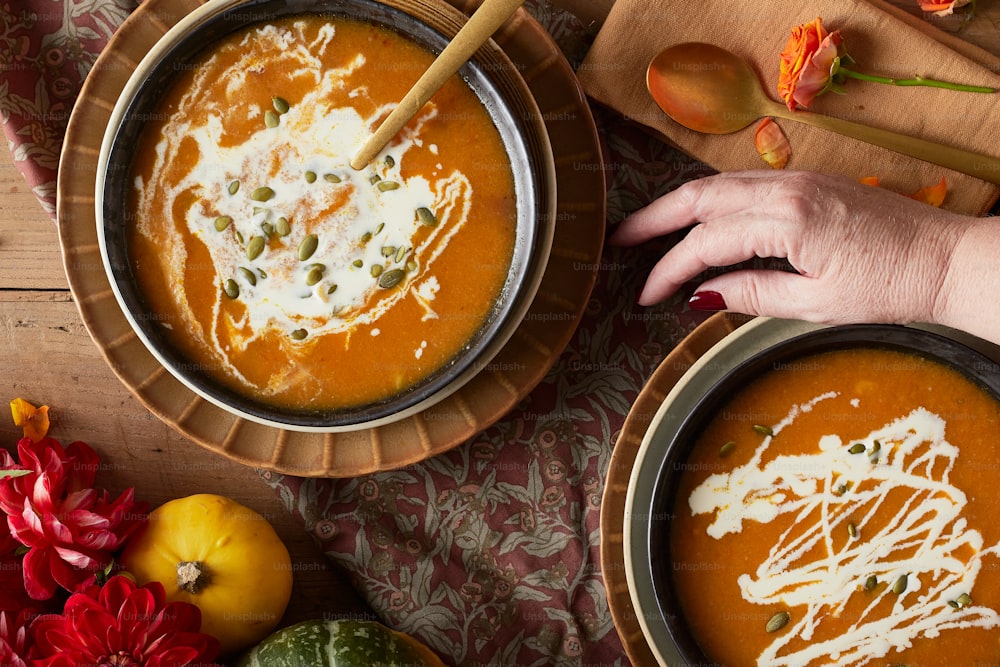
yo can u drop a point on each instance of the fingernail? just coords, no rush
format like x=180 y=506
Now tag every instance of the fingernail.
x=707 y=301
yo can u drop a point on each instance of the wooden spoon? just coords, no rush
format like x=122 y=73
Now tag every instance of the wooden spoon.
x=708 y=89
x=480 y=27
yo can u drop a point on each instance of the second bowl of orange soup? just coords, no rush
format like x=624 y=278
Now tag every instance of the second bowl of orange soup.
x=271 y=277
x=832 y=500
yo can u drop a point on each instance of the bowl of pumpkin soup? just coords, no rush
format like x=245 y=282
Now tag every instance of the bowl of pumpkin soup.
x=826 y=499
x=275 y=280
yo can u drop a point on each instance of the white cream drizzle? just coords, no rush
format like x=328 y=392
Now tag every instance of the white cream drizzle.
x=922 y=540
x=311 y=136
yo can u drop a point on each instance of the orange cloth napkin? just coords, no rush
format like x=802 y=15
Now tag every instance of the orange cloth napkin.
x=881 y=38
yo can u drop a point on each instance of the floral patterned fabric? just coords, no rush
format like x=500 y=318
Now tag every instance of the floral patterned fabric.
x=488 y=553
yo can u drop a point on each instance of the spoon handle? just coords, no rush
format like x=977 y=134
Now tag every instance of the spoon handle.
x=981 y=166
x=484 y=22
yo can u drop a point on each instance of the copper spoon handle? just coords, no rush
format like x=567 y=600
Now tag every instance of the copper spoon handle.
x=484 y=22
x=981 y=166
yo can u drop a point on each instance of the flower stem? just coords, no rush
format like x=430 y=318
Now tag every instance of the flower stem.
x=915 y=81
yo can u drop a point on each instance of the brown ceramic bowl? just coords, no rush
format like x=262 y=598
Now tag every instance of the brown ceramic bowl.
x=490 y=75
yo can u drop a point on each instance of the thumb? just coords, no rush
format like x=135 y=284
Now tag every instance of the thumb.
x=764 y=292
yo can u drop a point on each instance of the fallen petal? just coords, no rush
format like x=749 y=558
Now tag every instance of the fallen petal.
x=772 y=144
x=932 y=194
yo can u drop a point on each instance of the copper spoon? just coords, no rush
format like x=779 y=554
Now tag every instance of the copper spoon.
x=485 y=21
x=708 y=89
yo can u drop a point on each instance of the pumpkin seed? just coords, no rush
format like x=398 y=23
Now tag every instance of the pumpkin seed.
x=426 y=216
x=267 y=228
x=239 y=237
x=873 y=455
x=248 y=275
x=852 y=530
x=299 y=334
x=763 y=430
x=308 y=246
x=778 y=621
x=390 y=161
x=315 y=274
x=857 y=448
x=842 y=488
x=964 y=600
x=388 y=250
x=358 y=263
x=331 y=289
x=953 y=604
x=271 y=119
x=378 y=230
x=222 y=222
x=310 y=177
x=727 y=449
x=255 y=247
x=262 y=193
x=391 y=278
x=280 y=104
x=900 y=584
x=331 y=178
x=386 y=186
x=234 y=187
x=366 y=237
x=411 y=265
x=870 y=583
x=231 y=288
x=374 y=178
x=377 y=270
x=400 y=253
x=282 y=227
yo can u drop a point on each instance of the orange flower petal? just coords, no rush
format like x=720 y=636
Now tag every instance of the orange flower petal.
x=932 y=194
x=34 y=421
x=772 y=144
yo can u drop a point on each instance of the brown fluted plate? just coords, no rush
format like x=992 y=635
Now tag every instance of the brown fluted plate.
x=520 y=365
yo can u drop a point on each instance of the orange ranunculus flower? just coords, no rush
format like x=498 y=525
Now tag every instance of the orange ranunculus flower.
x=942 y=8
x=808 y=63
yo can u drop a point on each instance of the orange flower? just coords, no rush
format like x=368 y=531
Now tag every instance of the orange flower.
x=772 y=144
x=942 y=8
x=34 y=421
x=808 y=63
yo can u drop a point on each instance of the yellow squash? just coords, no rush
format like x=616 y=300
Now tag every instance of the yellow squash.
x=221 y=556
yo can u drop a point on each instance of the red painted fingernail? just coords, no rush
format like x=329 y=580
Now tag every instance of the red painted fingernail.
x=707 y=301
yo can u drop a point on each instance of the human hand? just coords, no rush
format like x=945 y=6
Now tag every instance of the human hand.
x=863 y=254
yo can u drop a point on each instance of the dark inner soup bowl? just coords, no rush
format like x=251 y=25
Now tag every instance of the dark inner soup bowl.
x=381 y=273
x=732 y=487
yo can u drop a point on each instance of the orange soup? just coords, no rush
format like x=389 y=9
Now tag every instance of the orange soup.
x=280 y=270
x=842 y=510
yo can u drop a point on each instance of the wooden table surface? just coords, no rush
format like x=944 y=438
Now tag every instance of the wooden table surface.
x=48 y=357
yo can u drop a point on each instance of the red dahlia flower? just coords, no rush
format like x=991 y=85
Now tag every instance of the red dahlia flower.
x=14 y=637
x=70 y=530
x=123 y=625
